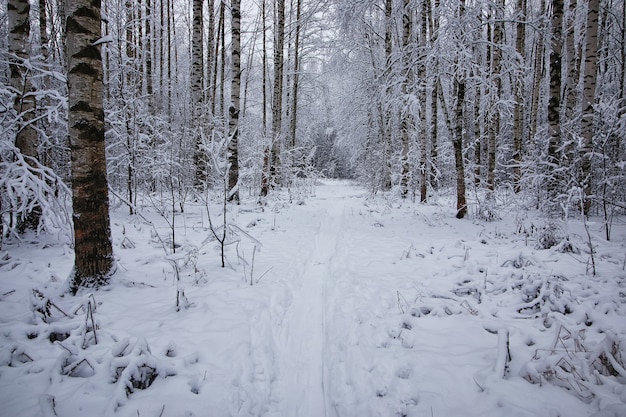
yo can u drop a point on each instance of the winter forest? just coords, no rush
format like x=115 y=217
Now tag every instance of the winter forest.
x=313 y=208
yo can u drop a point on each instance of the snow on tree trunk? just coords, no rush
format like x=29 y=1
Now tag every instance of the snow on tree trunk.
x=424 y=168
x=433 y=7
x=92 y=233
x=494 y=122
x=24 y=105
x=148 y=52
x=589 y=90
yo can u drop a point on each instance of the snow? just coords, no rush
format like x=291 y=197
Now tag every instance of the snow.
x=360 y=306
x=104 y=39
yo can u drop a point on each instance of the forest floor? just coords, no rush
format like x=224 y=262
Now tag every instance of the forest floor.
x=337 y=304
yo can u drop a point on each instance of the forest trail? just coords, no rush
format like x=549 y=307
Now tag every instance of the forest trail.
x=303 y=354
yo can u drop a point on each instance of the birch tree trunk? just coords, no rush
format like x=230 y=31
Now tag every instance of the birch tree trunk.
x=149 y=59
x=494 y=123
x=43 y=29
x=216 y=60
x=93 y=262
x=264 y=76
x=197 y=93
x=222 y=46
x=210 y=49
x=296 y=75
x=478 y=142
x=570 y=106
x=518 y=85
x=233 y=121
x=457 y=141
x=433 y=8
x=197 y=53
x=385 y=114
x=277 y=100
x=421 y=75
x=589 y=90
x=406 y=124
x=26 y=139
x=538 y=69
x=553 y=174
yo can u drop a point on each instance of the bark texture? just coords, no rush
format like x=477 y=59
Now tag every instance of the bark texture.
x=589 y=91
x=24 y=104
x=406 y=124
x=277 y=100
x=457 y=141
x=554 y=109
x=518 y=111
x=233 y=121
x=197 y=90
x=92 y=231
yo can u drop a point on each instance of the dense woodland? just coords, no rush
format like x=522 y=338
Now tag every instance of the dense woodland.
x=418 y=98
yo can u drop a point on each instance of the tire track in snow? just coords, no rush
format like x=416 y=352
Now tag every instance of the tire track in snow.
x=303 y=365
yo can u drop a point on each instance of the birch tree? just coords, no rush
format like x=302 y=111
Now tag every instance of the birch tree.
x=271 y=168
x=24 y=104
x=233 y=121
x=93 y=263
x=518 y=86
x=407 y=122
x=494 y=122
x=424 y=167
x=554 y=110
x=457 y=141
x=197 y=90
x=296 y=74
x=589 y=90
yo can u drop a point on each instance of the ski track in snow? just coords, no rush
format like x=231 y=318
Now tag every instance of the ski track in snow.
x=304 y=350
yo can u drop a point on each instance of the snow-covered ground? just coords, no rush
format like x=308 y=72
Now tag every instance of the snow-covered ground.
x=359 y=307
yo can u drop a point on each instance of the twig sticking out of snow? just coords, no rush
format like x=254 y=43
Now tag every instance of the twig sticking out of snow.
x=504 y=353
x=42 y=305
x=47 y=406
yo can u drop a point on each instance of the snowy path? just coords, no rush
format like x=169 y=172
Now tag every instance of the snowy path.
x=303 y=350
